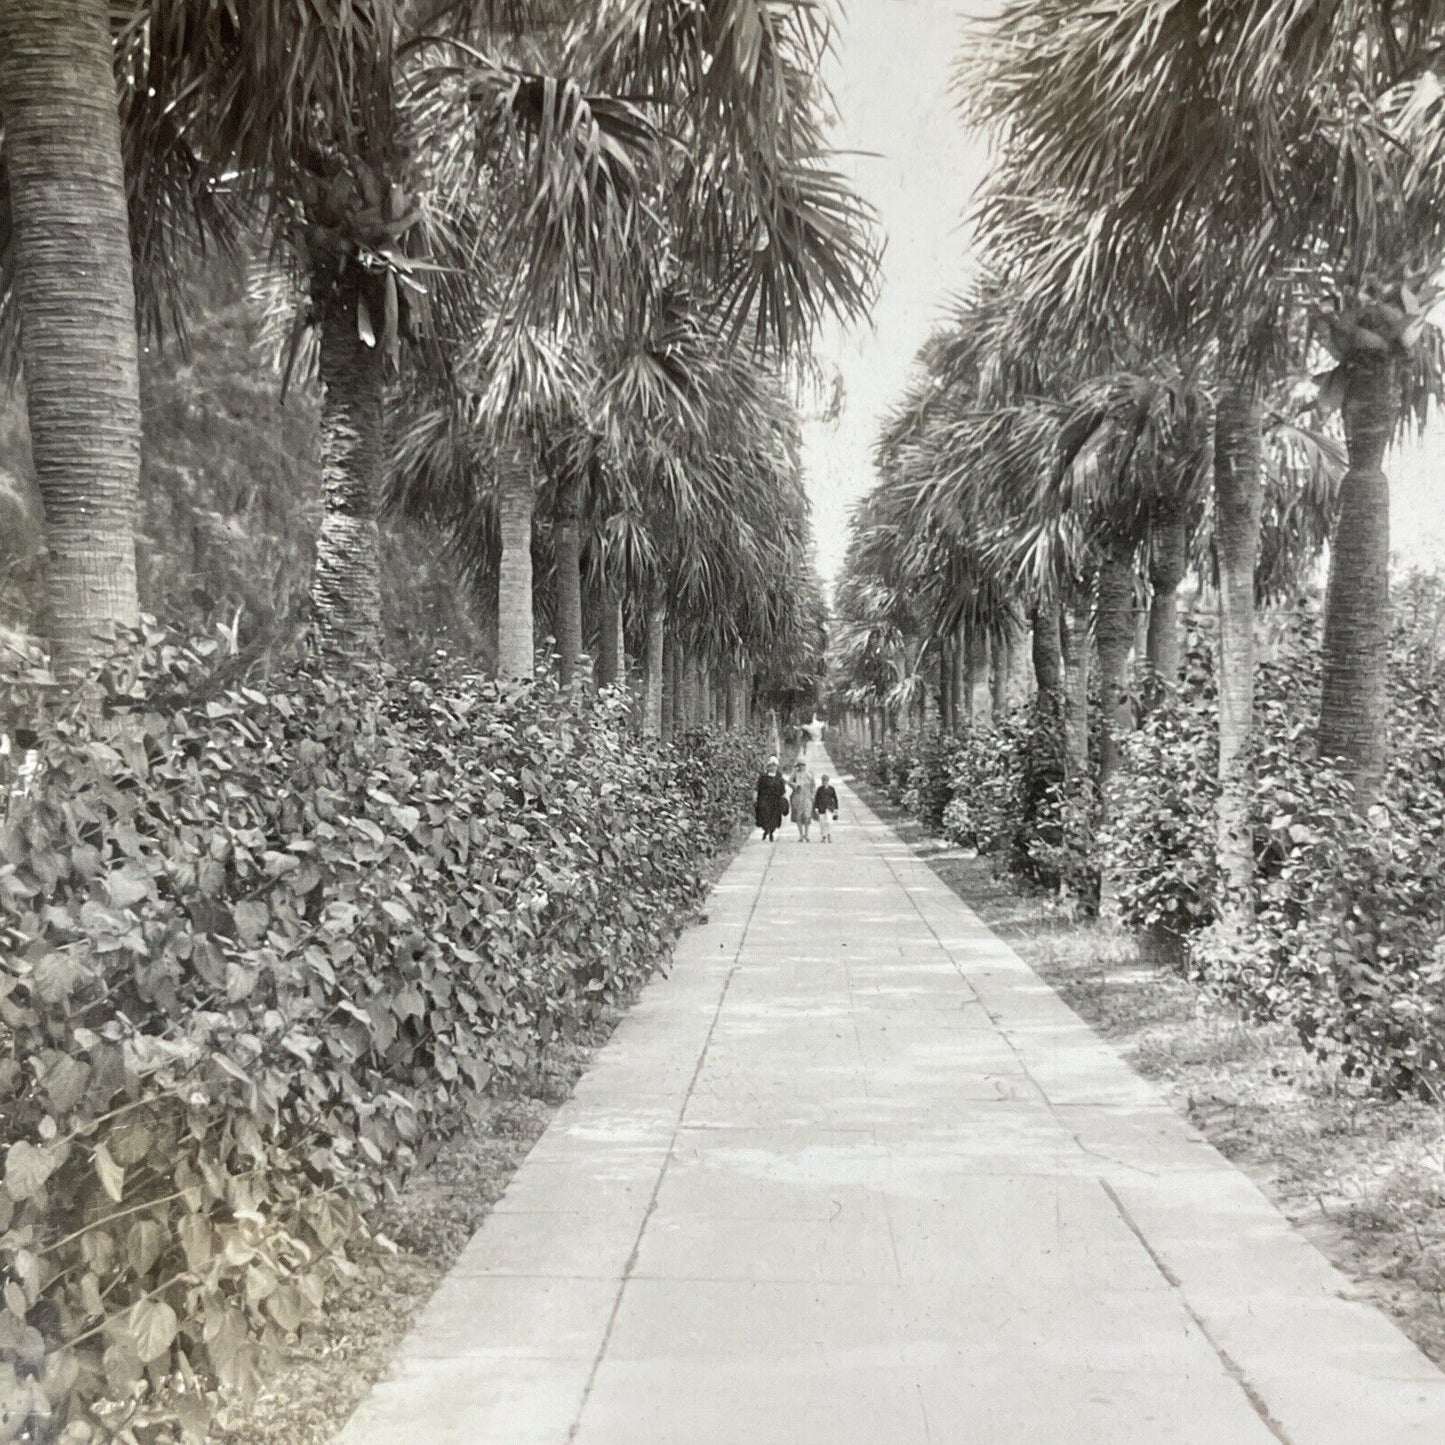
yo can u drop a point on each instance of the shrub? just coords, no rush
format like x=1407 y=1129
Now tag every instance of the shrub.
x=913 y=768
x=1158 y=846
x=928 y=775
x=985 y=791
x=261 y=949
x=892 y=763
x=1010 y=801
x=1347 y=938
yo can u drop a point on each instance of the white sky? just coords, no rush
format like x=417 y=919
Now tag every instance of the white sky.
x=1417 y=498
x=919 y=167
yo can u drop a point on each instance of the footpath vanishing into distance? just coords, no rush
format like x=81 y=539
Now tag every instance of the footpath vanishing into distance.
x=853 y=1175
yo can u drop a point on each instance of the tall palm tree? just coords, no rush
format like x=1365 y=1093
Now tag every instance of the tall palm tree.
x=286 y=116
x=694 y=500
x=1388 y=363
x=69 y=249
x=344 y=133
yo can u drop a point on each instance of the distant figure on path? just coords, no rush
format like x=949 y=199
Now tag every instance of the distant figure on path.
x=825 y=806
x=768 y=808
x=802 y=802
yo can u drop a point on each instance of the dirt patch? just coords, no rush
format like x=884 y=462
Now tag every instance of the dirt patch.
x=1364 y=1179
x=335 y=1362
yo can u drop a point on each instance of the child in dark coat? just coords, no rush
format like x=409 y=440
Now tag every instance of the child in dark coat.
x=825 y=808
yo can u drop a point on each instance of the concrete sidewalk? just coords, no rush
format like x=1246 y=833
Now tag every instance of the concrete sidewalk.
x=852 y=1175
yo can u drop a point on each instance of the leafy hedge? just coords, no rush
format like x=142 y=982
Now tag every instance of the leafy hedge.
x=261 y=949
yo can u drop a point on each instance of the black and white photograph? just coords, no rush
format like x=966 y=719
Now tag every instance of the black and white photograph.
x=722 y=722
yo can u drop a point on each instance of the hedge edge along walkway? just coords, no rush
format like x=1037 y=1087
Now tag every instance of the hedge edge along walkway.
x=852 y=1175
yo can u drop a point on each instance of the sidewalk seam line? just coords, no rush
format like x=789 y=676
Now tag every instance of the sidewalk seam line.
x=631 y=1262
x=1231 y=1366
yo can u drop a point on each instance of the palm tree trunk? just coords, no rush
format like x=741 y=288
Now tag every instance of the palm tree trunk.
x=652 y=697
x=592 y=604
x=1075 y=651
x=1002 y=666
x=1354 y=708
x=1047 y=650
x=346 y=585
x=948 y=681
x=70 y=244
x=733 y=706
x=691 y=705
x=669 y=688
x=679 y=688
x=1238 y=497
x=1020 y=668
x=1168 y=561
x=1114 y=630
x=612 y=645
x=958 y=683
x=516 y=651
x=975 y=684
x=567 y=550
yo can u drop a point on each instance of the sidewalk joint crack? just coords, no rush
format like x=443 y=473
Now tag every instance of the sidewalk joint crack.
x=631 y=1263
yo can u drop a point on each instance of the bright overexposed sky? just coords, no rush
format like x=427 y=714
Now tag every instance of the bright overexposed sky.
x=914 y=160
x=892 y=83
x=1417 y=498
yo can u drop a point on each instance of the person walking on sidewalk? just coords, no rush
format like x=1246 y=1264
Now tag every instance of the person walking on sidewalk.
x=801 y=807
x=768 y=804
x=825 y=809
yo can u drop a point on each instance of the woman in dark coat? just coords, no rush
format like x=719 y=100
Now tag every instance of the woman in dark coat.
x=768 y=809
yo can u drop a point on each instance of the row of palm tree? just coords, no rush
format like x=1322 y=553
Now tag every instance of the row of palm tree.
x=1220 y=225
x=532 y=251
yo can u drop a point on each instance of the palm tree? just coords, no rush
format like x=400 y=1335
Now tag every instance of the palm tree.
x=1387 y=366
x=69 y=247
x=288 y=118
x=360 y=150
x=693 y=499
x=1003 y=468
